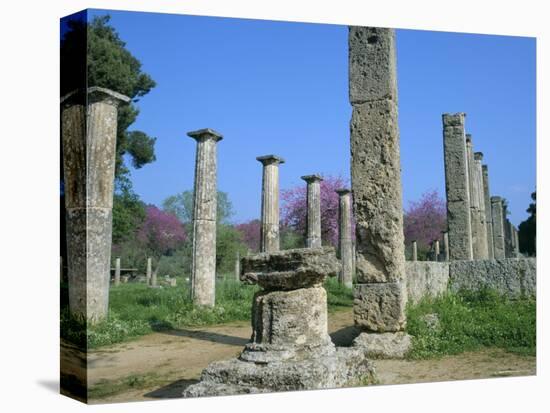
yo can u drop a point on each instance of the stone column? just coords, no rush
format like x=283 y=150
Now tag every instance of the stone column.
x=457 y=187
x=205 y=200
x=117 y=271
x=436 y=249
x=488 y=213
x=149 y=271
x=269 y=238
x=414 y=251
x=380 y=293
x=475 y=221
x=498 y=228
x=483 y=252
x=154 y=278
x=446 y=245
x=516 y=240
x=89 y=131
x=313 y=231
x=345 y=248
x=238 y=267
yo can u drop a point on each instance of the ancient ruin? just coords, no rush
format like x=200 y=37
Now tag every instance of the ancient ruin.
x=457 y=187
x=488 y=212
x=313 y=227
x=380 y=292
x=345 y=246
x=290 y=348
x=269 y=238
x=498 y=227
x=88 y=129
x=205 y=195
x=117 y=271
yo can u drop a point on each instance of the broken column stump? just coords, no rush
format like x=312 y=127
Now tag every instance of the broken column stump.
x=290 y=348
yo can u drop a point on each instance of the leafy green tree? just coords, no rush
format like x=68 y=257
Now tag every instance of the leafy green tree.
x=181 y=205
x=528 y=229
x=107 y=63
x=229 y=241
x=128 y=216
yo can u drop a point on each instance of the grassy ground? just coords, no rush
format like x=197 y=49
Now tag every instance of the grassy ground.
x=469 y=321
x=136 y=310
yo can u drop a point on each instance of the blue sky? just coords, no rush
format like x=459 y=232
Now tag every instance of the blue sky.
x=281 y=88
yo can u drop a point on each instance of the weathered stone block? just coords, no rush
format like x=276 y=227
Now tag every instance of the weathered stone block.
x=377 y=192
x=426 y=278
x=384 y=345
x=512 y=277
x=290 y=269
x=372 y=64
x=380 y=307
x=343 y=368
x=287 y=324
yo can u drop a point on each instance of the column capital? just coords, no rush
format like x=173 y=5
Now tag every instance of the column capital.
x=94 y=94
x=495 y=199
x=204 y=134
x=270 y=159
x=343 y=191
x=453 y=119
x=469 y=139
x=485 y=168
x=478 y=156
x=312 y=178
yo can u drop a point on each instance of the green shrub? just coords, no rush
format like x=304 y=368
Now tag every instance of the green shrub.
x=471 y=320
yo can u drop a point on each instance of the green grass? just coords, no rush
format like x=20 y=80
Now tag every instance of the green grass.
x=136 y=310
x=470 y=321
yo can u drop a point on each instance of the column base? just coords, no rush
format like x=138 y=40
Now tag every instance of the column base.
x=345 y=367
x=384 y=345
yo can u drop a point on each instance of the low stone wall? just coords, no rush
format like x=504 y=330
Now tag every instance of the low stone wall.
x=426 y=278
x=511 y=276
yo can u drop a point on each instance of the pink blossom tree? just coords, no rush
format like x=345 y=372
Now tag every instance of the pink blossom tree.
x=250 y=233
x=161 y=233
x=294 y=208
x=425 y=219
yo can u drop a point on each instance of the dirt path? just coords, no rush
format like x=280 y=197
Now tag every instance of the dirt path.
x=162 y=364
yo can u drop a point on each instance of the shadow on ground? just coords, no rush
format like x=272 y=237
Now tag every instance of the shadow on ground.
x=172 y=390
x=345 y=336
x=207 y=336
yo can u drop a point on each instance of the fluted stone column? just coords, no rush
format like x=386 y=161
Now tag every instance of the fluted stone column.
x=345 y=247
x=149 y=273
x=446 y=245
x=380 y=293
x=483 y=252
x=269 y=238
x=414 y=251
x=488 y=212
x=516 y=242
x=89 y=130
x=205 y=201
x=475 y=220
x=117 y=271
x=498 y=228
x=457 y=187
x=313 y=230
x=436 y=249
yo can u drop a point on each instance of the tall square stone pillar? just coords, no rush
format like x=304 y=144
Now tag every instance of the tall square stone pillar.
x=269 y=237
x=498 y=228
x=89 y=130
x=313 y=227
x=483 y=252
x=380 y=293
x=205 y=201
x=457 y=187
x=488 y=212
